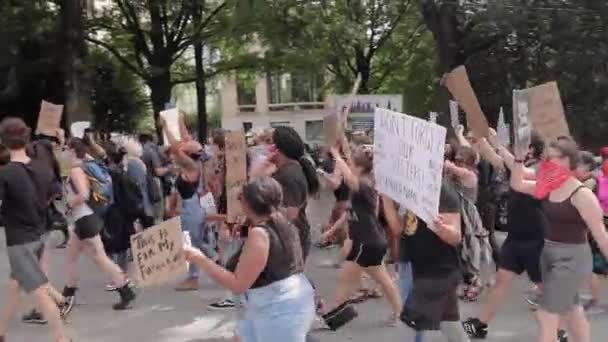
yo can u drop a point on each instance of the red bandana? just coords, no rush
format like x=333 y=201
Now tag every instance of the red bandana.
x=549 y=177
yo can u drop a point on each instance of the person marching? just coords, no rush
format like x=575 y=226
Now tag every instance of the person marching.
x=571 y=210
x=369 y=244
x=87 y=226
x=268 y=270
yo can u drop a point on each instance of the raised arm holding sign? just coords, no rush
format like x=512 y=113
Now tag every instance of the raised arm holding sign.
x=459 y=86
x=408 y=161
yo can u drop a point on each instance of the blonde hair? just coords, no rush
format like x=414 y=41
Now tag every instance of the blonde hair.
x=131 y=146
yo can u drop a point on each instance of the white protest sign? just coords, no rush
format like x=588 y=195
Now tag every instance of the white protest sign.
x=502 y=130
x=433 y=117
x=171 y=117
x=521 y=120
x=49 y=118
x=408 y=161
x=454 y=119
x=77 y=128
x=208 y=204
x=157 y=254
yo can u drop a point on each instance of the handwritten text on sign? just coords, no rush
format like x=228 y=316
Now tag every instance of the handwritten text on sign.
x=236 y=172
x=157 y=254
x=49 y=118
x=408 y=161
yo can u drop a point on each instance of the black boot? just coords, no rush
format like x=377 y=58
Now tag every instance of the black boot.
x=127 y=295
x=69 y=293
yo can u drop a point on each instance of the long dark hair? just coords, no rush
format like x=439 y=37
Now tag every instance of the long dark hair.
x=289 y=142
x=42 y=150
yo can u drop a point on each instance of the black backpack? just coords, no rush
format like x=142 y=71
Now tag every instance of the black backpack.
x=128 y=198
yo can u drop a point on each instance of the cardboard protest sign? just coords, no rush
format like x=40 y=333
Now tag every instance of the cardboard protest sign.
x=408 y=161
x=547 y=111
x=171 y=117
x=77 y=128
x=459 y=86
x=157 y=254
x=502 y=129
x=454 y=117
x=236 y=172
x=49 y=118
x=522 y=127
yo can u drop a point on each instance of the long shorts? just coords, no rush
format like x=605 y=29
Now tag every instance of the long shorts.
x=24 y=261
x=432 y=301
x=88 y=227
x=565 y=268
x=518 y=256
x=367 y=255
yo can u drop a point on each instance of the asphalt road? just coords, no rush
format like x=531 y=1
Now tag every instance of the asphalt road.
x=162 y=315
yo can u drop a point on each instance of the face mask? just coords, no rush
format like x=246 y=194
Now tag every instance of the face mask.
x=549 y=177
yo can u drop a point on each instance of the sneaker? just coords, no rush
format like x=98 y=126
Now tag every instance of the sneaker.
x=475 y=328
x=226 y=304
x=562 y=336
x=34 y=317
x=111 y=287
x=66 y=307
x=127 y=296
x=392 y=322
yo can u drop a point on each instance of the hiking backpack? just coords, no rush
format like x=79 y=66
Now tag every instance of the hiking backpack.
x=101 y=194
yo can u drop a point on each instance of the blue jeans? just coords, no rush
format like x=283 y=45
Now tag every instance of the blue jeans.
x=282 y=311
x=406 y=283
x=193 y=221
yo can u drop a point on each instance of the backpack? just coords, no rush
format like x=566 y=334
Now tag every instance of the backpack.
x=101 y=192
x=126 y=194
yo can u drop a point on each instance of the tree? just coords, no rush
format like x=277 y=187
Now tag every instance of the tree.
x=371 y=38
x=150 y=37
x=119 y=102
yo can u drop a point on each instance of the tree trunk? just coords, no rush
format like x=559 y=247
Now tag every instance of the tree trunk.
x=201 y=87
x=160 y=94
x=77 y=100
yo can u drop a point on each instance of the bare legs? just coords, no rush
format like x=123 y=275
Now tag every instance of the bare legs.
x=44 y=303
x=497 y=295
x=577 y=322
x=94 y=249
x=349 y=280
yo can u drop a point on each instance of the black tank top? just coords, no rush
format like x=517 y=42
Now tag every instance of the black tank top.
x=565 y=222
x=284 y=255
x=186 y=189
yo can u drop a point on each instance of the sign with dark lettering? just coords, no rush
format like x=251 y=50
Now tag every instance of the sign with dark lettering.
x=236 y=172
x=49 y=118
x=157 y=254
x=408 y=161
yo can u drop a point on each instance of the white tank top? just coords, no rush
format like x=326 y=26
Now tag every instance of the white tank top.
x=81 y=210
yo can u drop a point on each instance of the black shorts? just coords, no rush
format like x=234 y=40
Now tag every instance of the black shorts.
x=367 y=255
x=432 y=301
x=518 y=256
x=88 y=227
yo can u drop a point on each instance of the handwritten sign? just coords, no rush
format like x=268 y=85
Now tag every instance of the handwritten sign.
x=236 y=172
x=49 y=118
x=408 y=161
x=521 y=120
x=331 y=129
x=459 y=86
x=77 y=128
x=157 y=254
x=171 y=117
x=502 y=129
x=454 y=118
x=547 y=111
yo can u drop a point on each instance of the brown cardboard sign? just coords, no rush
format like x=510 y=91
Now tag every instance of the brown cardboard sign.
x=157 y=254
x=236 y=172
x=547 y=111
x=460 y=87
x=49 y=118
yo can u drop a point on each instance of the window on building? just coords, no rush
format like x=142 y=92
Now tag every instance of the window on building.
x=247 y=126
x=279 y=123
x=293 y=87
x=245 y=87
x=314 y=130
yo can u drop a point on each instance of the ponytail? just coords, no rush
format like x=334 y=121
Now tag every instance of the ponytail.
x=311 y=175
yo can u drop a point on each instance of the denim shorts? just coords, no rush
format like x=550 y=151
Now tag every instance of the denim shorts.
x=282 y=311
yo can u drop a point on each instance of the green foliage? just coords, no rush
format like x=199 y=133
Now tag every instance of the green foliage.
x=119 y=102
